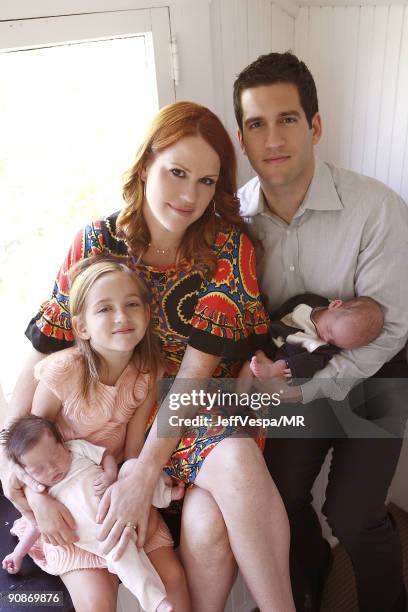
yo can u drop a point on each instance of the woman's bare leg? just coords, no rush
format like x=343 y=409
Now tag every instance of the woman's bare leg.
x=205 y=552
x=235 y=474
x=170 y=570
x=244 y=379
x=92 y=589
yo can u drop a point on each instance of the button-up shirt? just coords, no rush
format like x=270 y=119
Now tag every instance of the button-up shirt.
x=349 y=237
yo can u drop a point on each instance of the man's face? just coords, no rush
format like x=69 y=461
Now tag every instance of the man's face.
x=276 y=136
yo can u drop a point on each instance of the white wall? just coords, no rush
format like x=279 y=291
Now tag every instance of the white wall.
x=359 y=58
x=240 y=31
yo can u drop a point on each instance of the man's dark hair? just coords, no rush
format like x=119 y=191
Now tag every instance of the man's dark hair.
x=24 y=433
x=278 y=68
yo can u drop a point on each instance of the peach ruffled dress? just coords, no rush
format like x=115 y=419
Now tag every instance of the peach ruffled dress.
x=103 y=422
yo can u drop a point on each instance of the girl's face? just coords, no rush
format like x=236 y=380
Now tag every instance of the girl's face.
x=180 y=184
x=48 y=461
x=115 y=319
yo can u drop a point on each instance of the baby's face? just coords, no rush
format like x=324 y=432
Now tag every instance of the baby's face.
x=48 y=461
x=335 y=329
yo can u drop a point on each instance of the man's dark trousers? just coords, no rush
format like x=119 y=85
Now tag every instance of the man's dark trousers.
x=360 y=474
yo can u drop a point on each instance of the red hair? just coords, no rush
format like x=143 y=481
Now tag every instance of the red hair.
x=170 y=125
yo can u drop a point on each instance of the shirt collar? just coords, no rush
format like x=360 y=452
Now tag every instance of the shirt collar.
x=321 y=195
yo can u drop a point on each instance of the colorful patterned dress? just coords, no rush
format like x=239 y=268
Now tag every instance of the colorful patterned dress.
x=222 y=316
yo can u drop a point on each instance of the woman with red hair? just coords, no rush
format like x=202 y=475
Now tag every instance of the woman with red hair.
x=180 y=230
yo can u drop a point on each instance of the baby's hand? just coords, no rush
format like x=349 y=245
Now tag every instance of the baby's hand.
x=177 y=491
x=177 y=487
x=12 y=563
x=101 y=483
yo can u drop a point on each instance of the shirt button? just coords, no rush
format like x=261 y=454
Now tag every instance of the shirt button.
x=291 y=268
x=288 y=232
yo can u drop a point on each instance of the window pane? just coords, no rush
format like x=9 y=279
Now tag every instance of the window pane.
x=71 y=117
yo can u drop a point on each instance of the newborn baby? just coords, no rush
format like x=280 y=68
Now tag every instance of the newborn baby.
x=77 y=473
x=308 y=330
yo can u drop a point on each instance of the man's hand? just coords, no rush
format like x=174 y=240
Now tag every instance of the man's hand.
x=289 y=394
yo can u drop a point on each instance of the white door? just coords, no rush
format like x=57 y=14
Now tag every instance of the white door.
x=76 y=93
x=152 y=23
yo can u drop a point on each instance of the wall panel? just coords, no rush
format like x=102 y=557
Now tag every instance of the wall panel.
x=359 y=57
x=389 y=89
x=282 y=30
x=373 y=100
x=362 y=79
x=321 y=32
x=259 y=27
x=241 y=30
x=302 y=32
x=398 y=175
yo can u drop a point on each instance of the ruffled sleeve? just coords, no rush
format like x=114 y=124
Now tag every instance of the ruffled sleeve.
x=229 y=319
x=50 y=330
x=59 y=372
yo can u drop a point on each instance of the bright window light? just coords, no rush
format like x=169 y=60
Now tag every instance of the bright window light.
x=71 y=118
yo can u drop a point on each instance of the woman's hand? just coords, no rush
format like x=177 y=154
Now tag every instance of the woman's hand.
x=54 y=520
x=124 y=510
x=125 y=505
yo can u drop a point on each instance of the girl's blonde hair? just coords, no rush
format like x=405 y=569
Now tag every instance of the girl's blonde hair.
x=170 y=125
x=146 y=355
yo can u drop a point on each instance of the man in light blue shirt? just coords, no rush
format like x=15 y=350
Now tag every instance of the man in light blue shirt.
x=336 y=233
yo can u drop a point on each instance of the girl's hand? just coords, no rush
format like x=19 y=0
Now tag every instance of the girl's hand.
x=54 y=520
x=124 y=510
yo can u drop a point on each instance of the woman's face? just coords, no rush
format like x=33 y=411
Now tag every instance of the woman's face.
x=180 y=184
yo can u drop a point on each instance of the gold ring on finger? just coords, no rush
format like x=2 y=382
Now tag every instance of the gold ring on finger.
x=131 y=525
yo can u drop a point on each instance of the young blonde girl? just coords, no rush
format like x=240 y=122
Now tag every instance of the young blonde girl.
x=102 y=390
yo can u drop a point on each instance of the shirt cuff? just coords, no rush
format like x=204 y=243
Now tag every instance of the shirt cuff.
x=334 y=388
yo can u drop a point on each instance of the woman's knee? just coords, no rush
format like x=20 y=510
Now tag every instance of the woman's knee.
x=233 y=459
x=203 y=528
x=240 y=452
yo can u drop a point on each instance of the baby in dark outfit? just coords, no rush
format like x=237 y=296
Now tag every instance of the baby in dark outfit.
x=307 y=331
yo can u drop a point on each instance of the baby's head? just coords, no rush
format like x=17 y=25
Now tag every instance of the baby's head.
x=349 y=324
x=37 y=445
